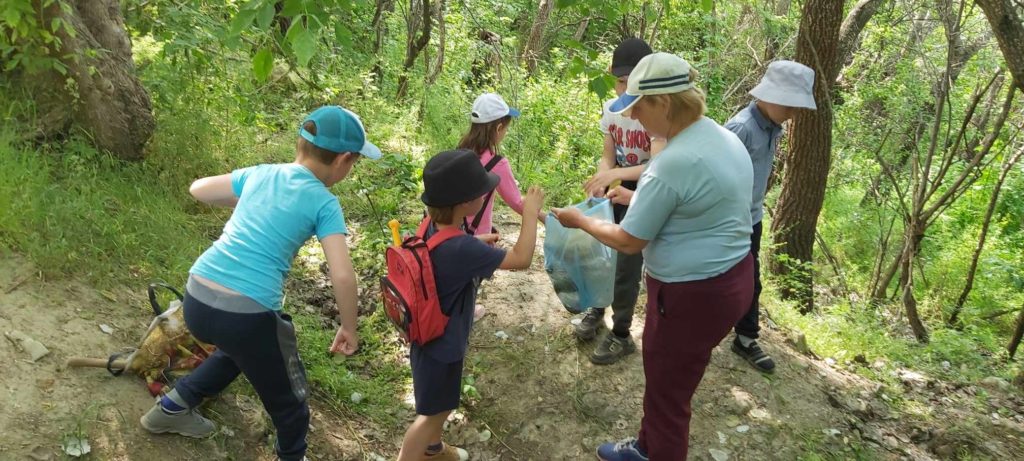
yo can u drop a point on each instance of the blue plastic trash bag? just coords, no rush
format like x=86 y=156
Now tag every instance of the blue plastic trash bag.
x=581 y=268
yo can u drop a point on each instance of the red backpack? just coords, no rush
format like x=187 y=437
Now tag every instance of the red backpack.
x=409 y=289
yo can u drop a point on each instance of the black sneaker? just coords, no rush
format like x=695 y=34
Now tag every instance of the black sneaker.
x=589 y=324
x=753 y=354
x=612 y=349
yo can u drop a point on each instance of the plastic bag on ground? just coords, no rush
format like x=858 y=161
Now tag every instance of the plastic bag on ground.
x=581 y=268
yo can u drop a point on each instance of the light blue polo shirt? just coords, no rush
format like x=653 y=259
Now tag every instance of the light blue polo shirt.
x=760 y=136
x=279 y=208
x=693 y=205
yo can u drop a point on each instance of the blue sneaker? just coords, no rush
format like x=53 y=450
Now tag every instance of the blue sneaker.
x=626 y=450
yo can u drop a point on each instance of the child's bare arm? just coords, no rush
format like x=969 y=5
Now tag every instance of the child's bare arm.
x=343 y=277
x=214 y=190
x=521 y=254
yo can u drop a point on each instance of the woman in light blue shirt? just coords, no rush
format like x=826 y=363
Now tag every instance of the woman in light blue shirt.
x=690 y=216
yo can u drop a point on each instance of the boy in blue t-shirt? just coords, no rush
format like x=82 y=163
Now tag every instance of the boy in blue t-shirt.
x=234 y=290
x=455 y=186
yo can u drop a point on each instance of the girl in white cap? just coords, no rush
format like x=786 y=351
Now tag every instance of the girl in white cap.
x=787 y=87
x=490 y=118
x=690 y=215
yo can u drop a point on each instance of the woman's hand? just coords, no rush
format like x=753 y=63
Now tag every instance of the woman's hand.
x=571 y=218
x=620 y=195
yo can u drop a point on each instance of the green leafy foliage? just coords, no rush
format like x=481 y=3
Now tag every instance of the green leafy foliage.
x=231 y=80
x=30 y=41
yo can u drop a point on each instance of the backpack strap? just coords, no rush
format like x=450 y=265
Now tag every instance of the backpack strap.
x=443 y=236
x=439 y=237
x=480 y=214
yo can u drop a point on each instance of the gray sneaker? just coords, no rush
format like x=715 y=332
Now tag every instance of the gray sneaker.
x=190 y=423
x=589 y=324
x=612 y=349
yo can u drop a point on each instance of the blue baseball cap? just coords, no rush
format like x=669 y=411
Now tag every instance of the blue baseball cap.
x=339 y=130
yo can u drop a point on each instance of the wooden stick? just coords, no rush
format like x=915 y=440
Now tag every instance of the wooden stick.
x=96 y=363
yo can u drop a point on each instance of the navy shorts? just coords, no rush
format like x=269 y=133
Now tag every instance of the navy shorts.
x=436 y=385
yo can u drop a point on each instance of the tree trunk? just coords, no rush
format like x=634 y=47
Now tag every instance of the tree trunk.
x=907 y=281
x=782 y=7
x=1017 y=334
x=413 y=45
x=803 y=187
x=957 y=56
x=532 y=49
x=106 y=98
x=380 y=28
x=581 y=30
x=772 y=40
x=653 y=39
x=438 y=66
x=1008 y=165
x=1007 y=23
x=849 y=32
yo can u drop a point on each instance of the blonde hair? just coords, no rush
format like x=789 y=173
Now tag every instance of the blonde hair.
x=686 y=106
x=442 y=215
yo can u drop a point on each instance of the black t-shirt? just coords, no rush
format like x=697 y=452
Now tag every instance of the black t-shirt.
x=459 y=265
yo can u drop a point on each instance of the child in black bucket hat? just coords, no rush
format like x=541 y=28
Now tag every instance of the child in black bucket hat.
x=455 y=185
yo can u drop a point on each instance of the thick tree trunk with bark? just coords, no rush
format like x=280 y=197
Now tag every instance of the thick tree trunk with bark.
x=1007 y=20
x=532 y=49
x=106 y=100
x=807 y=166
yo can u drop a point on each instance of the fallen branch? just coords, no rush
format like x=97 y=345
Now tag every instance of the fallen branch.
x=16 y=284
x=495 y=434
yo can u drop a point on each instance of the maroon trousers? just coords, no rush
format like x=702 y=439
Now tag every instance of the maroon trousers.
x=685 y=321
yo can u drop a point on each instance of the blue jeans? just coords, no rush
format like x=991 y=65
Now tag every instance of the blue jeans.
x=260 y=344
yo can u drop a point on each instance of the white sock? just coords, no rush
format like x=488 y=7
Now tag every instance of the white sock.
x=745 y=341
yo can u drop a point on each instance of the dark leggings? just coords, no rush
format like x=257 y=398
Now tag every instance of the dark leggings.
x=261 y=345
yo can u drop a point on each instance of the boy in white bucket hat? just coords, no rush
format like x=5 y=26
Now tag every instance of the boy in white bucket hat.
x=786 y=87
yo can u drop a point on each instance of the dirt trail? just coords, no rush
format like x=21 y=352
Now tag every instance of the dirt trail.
x=43 y=403
x=542 y=399
x=531 y=396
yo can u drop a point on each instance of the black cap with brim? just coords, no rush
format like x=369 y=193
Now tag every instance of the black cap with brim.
x=622 y=71
x=627 y=54
x=454 y=177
